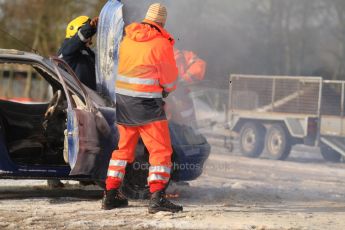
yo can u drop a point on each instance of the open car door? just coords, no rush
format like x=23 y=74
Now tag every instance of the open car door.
x=109 y=35
x=85 y=125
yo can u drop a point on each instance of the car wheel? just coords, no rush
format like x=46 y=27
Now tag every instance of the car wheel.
x=330 y=154
x=277 y=142
x=252 y=139
x=135 y=182
x=100 y=183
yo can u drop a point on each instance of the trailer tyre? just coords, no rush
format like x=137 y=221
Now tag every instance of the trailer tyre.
x=330 y=154
x=252 y=139
x=278 y=142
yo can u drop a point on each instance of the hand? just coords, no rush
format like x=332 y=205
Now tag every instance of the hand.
x=165 y=94
x=187 y=77
x=94 y=22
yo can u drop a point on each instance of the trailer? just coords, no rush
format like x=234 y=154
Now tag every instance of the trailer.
x=272 y=113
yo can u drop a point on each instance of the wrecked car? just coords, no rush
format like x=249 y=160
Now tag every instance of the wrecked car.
x=71 y=134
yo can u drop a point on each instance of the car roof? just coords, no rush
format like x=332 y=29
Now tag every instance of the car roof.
x=28 y=56
x=18 y=54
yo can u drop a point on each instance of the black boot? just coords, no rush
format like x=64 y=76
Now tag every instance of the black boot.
x=159 y=203
x=113 y=199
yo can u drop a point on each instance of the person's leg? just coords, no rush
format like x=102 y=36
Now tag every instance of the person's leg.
x=156 y=138
x=113 y=198
x=125 y=154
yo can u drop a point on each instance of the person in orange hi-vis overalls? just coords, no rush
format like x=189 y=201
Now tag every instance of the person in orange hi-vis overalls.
x=191 y=70
x=147 y=73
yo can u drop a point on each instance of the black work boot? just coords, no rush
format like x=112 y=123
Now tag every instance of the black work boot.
x=113 y=199
x=159 y=203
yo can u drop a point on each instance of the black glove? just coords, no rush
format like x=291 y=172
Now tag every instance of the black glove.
x=165 y=94
x=87 y=30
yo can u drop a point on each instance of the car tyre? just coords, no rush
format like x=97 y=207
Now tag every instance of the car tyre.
x=135 y=182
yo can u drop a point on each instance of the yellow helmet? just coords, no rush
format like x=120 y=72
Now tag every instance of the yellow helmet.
x=74 y=25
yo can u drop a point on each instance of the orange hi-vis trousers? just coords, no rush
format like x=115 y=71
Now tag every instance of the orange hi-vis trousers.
x=156 y=138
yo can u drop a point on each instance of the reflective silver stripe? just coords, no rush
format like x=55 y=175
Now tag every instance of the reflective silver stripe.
x=171 y=85
x=155 y=177
x=118 y=163
x=60 y=56
x=187 y=113
x=160 y=169
x=136 y=80
x=168 y=90
x=117 y=174
x=84 y=52
x=81 y=36
x=138 y=94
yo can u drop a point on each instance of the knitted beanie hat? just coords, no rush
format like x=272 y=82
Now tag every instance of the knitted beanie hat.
x=157 y=13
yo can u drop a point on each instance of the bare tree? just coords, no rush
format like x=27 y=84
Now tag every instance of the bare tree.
x=254 y=36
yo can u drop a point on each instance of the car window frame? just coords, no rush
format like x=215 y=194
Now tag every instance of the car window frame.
x=34 y=64
x=69 y=75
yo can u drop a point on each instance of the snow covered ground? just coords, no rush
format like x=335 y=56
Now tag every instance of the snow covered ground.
x=233 y=193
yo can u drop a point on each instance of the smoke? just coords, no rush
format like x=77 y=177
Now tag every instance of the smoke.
x=255 y=36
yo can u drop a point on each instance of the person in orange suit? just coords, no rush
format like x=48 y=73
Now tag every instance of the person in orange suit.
x=147 y=73
x=191 y=70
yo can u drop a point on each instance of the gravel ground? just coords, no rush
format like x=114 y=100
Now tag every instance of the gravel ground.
x=233 y=193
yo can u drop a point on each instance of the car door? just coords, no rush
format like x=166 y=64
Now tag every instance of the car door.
x=85 y=124
x=109 y=36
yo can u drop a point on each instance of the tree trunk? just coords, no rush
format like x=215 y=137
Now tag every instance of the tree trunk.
x=9 y=89
x=28 y=83
x=303 y=41
x=286 y=38
x=1 y=82
x=339 y=7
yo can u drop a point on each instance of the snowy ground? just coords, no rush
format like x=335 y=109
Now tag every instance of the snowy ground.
x=233 y=193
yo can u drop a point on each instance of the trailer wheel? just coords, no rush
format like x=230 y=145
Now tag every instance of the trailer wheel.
x=252 y=139
x=277 y=142
x=330 y=154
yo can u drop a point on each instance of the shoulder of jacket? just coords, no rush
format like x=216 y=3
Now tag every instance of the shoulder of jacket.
x=163 y=42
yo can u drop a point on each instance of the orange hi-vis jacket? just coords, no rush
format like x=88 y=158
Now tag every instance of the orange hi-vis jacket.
x=146 y=62
x=190 y=66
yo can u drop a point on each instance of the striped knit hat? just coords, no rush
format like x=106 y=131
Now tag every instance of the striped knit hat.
x=157 y=13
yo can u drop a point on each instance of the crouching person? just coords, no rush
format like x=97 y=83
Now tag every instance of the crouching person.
x=147 y=73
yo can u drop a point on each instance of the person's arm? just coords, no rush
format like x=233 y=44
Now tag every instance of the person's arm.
x=195 y=70
x=167 y=70
x=78 y=41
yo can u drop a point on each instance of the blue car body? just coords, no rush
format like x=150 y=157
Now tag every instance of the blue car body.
x=90 y=132
x=86 y=161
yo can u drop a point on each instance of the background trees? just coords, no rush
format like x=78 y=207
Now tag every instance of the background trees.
x=40 y=24
x=294 y=37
